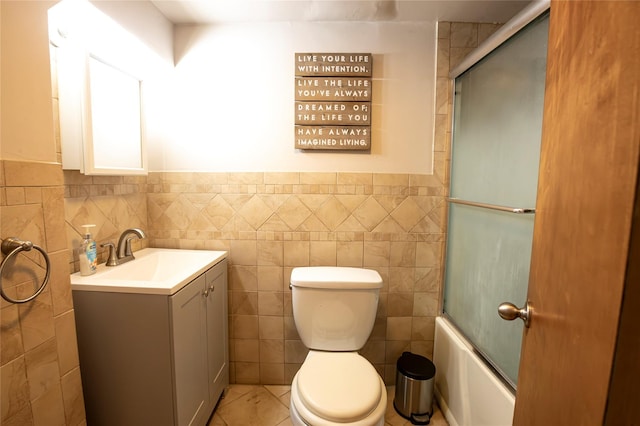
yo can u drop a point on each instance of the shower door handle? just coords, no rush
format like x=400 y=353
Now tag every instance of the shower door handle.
x=509 y=312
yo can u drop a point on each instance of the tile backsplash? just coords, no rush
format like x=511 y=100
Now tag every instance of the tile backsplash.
x=112 y=203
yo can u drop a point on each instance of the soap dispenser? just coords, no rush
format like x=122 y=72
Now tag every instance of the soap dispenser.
x=88 y=254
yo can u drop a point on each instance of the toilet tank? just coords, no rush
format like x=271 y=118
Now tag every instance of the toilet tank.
x=334 y=308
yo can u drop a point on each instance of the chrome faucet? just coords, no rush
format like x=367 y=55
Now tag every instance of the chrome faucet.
x=123 y=253
x=124 y=243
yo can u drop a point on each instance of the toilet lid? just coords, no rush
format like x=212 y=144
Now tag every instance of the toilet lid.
x=339 y=386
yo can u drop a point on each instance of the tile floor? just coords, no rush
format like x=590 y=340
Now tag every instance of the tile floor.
x=258 y=405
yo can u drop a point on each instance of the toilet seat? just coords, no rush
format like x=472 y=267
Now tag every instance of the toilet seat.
x=338 y=388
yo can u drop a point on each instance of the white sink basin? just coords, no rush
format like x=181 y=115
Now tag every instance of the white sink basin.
x=153 y=271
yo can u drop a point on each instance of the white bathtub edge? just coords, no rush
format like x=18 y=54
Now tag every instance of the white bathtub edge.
x=444 y=409
x=466 y=389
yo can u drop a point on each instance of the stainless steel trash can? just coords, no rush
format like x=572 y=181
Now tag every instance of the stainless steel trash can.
x=414 y=388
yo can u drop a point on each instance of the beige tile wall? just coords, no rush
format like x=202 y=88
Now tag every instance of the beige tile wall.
x=112 y=203
x=273 y=222
x=39 y=367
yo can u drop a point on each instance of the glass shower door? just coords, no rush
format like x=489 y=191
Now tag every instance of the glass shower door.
x=498 y=106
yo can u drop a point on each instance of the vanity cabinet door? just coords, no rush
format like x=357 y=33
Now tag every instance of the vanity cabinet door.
x=189 y=333
x=217 y=330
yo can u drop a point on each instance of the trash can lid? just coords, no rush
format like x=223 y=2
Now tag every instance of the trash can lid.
x=416 y=366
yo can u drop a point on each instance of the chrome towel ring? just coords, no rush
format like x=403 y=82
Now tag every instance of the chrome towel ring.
x=11 y=247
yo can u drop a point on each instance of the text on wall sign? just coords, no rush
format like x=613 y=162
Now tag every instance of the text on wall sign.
x=333 y=101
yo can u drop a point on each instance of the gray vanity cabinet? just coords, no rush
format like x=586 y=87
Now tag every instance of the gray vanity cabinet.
x=189 y=330
x=152 y=359
x=217 y=331
x=199 y=312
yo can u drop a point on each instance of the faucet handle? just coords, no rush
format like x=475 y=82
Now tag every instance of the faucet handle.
x=127 y=246
x=111 y=260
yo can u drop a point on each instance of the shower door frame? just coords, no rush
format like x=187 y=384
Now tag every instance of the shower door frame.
x=503 y=34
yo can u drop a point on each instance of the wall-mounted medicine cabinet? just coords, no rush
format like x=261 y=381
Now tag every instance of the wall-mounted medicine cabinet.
x=99 y=75
x=101 y=127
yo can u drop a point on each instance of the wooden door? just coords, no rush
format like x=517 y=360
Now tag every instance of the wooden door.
x=585 y=212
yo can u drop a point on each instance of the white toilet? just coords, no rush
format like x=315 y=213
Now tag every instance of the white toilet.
x=334 y=309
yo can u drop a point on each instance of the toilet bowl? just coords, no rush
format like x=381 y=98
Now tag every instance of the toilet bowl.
x=334 y=310
x=337 y=388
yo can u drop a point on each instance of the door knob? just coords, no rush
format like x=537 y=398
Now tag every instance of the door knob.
x=509 y=311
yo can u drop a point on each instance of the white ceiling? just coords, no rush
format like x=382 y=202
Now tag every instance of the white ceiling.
x=218 y=11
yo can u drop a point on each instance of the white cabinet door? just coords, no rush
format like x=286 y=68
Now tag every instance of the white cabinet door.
x=112 y=122
x=99 y=69
x=218 y=353
x=189 y=332
x=100 y=109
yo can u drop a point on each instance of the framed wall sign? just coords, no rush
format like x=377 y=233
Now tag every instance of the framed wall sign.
x=333 y=101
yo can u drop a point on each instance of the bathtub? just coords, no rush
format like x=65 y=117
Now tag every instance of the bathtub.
x=468 y=392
